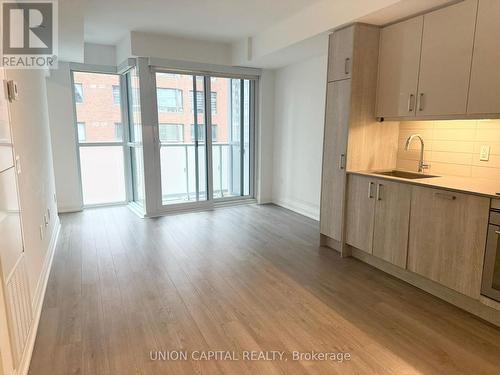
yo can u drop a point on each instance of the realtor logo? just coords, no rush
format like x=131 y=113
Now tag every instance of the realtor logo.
x=29 y=34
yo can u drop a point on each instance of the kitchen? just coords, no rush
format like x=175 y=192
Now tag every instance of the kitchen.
x=411 y=176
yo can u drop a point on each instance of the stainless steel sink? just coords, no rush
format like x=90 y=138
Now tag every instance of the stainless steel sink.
x=405 y=174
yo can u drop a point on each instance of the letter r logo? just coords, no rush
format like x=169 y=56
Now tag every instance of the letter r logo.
x=27 y=28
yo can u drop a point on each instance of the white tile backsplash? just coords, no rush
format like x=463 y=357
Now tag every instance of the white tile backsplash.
x=452 y=147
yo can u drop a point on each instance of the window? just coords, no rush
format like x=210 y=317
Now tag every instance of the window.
x=171 y=133
x=213 y=99
x=82 y=132
x=200 y=105
x=118 y=131
x=78 y=93
x=200 y=101
x=214 y=133
x=116 y=94
x=169 y=100
x=201 y=132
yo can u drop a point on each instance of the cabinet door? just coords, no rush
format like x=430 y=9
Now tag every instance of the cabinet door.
x=484 y=95
x=359 y=212
x=340 y=54
x=448 y=237
x=399 y=60
x=446 y=59
x=338 y=99
x=6 y=156
x=392 y=221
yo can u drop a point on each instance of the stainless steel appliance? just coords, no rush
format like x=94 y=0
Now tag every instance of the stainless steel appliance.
x=491 y=272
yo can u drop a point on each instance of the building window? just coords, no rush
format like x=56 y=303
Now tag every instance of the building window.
x=213 y=99
x=200 y=105
x=215 y=133
x=82 y=132
x=201 y=132
x=78 y=93
x=116 y=94
x=200 y=101
x=169 y=100
x=171 y=133
x=118 y=131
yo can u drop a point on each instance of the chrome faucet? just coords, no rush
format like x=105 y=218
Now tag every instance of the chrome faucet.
x=421 y=164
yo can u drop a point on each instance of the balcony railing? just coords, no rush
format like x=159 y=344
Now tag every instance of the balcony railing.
x=178 y=171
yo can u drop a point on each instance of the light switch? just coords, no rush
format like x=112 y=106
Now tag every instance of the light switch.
x=485 y=153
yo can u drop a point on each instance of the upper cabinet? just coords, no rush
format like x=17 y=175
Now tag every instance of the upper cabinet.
x=445 y=61
x=484 y=95
x=398 y=68
x=341 y=51
x=425 y=63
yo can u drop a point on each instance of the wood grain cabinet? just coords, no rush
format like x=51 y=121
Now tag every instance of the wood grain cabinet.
x=484 y=95
x=392 y=221
x=447 y=238
x=425 y=63
x=334 y=158
x=341 y=54
x=377 y=218
x=446 y=58
x=360 y=212
x=399 y=61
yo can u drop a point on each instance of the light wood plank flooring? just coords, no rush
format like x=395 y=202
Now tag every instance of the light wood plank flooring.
x=240 y=278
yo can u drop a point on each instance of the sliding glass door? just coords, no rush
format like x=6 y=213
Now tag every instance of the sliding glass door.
x=182 y=135
x=205 y=138
x=231 y=153
x=100 y=137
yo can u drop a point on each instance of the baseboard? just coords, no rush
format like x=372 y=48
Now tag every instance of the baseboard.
x=305 y=209
x=37 y=304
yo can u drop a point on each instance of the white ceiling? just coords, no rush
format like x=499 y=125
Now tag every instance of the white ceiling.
x=107 y=21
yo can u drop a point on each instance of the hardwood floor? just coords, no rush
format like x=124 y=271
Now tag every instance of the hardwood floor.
x=235 y=279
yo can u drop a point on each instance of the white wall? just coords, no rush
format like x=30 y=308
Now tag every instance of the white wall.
x=31 y=137
x=99 y=54
x=178 y=48
x=299 y=107
x=63 y=137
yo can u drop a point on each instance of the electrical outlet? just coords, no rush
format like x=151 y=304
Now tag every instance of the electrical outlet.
x=485 y=153
x=41 y=232
x=45 y=220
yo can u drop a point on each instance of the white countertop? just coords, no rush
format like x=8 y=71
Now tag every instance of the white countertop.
x=478 y=186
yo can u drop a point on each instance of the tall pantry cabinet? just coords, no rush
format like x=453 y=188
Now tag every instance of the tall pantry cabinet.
x=353 y=139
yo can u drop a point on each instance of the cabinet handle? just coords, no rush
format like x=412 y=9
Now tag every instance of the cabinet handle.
x=446 y=196
x=378 y=191
x=421 y=102
x=497 y=232
x=342 y=161
x=370 y=184
x=411 y=103
x=346 y=65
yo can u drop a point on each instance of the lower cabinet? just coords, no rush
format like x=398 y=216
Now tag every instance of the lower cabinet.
x=392 y=220
x=360 y=210
x=377 y=220
x=447 y=238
